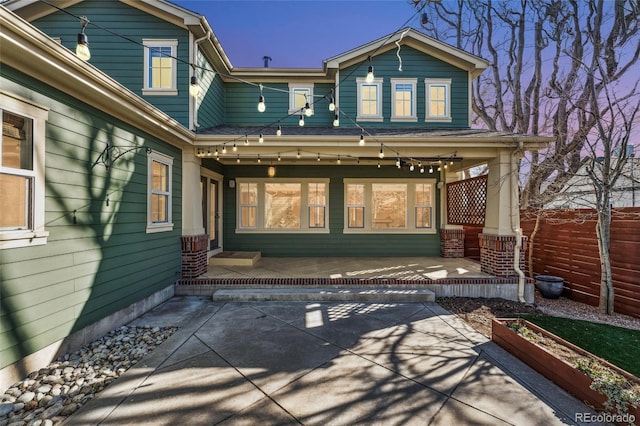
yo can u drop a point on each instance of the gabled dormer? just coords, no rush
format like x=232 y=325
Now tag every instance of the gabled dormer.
x=416 y=81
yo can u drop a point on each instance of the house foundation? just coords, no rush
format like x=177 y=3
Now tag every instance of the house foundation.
x=194 y=255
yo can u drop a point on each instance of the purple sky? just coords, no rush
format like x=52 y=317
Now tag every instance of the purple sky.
x=302 y=33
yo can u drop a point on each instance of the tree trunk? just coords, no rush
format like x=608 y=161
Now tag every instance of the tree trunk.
x=532 y=241
x=603 y=232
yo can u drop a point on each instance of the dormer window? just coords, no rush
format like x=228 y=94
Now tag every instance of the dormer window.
x=438 y=102
x=369 y=99
x=299 y=95
x=160 y=74
x=403 y=104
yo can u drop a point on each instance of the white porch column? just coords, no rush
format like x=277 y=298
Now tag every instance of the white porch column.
x=498 y=214
x=191 y=195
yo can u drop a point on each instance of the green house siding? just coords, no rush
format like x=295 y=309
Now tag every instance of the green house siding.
x=211 y=105
x=242 y=106
x=415 y=64
x=119 y=58
x=335 y=243
x=98 y=258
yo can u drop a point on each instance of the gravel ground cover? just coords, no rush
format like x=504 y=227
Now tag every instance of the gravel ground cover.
x=50 y=395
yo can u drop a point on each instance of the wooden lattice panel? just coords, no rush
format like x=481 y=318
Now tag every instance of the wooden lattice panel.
x=467 y=201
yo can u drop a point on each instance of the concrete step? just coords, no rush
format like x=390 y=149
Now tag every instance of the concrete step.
x=324 y=294
x=236 y=258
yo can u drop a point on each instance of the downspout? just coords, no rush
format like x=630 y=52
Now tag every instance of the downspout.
x=515 y=221
x=195 y=58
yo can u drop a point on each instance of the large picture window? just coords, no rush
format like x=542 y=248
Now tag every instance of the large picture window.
x=21 y=173
x=389 y=206
x=159 y=211
x=160 y=70
x=282 y=205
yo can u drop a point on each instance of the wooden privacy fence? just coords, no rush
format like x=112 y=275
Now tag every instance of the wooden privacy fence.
x=566 y=246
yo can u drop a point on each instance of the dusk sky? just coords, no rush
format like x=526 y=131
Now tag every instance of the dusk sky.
x=299 y=34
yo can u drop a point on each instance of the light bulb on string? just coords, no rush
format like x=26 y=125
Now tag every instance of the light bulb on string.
x=246 y=139
x=224 y=149
x=259 y=159
x=298 y=154
x=82 y=48
x=336 y=121
x=381 y=154
x=307 y=110
x=338 y=161
x=235 y=148
x=398 y=163
x=217 y=153
x=279 y=131
x=279 y=158
x=332 y=103
x=260 y=138
x=301 y=121
x=370 y=76
x=411 y=167
x=194 y=87
x=318 y=159
x=261 y=105
x=430 y=169
x=361 y=143
x=209 y=152
x=378 y=164
x=238 y=159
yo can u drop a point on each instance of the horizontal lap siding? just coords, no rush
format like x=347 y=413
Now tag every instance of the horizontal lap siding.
x=103 y=262
x=417 y=65
x=211 y=106
x=119 y=58
x=566 y=246
x=242 y=106
x=336 y=243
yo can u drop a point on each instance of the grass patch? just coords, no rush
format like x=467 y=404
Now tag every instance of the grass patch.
x=620 y=346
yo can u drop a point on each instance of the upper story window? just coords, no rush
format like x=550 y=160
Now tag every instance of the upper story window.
x=160 y=74
x=159 y=211
x=369 y=100
x=438 y=102
x=282 y=205
x=389 y=206
x=22 y=173
x=403 y=102
x=299 y=95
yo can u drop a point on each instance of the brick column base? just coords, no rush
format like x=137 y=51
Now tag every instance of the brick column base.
x=496 y=254
x=194 y=255
x=452 y=242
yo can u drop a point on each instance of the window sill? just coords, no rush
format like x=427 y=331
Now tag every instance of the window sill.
x=404 y=119
x=437 y=120
x=389 y=231
x=159 y=92
x=374 y=119
x=27 y=238
x=283 y=231
x=162 y=227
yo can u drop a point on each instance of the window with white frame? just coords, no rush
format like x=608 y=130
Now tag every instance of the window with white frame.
x=160 y=174
x=403 y=103
x=299 y=95
x=22 y=173
x=282 y=205
x=160 y=67
x=369 y=99
x=438 y=99
x=389 y=206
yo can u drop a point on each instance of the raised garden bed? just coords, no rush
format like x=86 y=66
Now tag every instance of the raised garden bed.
x=570 y=367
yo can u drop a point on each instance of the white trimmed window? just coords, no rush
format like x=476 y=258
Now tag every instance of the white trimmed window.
x=299 y=95
x=160 y=67
x=369 y=99
x=22 y=185
x=160 y=174
x=282 y=205
x=389 y=206
x=438 y=99
x=403 y=102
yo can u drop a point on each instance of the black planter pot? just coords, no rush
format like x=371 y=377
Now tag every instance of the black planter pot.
x=550 y=286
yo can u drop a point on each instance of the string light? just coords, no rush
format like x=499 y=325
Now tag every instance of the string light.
x=298 y=154
x=336 y=121
x=217 y=153
x=411 y=168
x=259 y=160
x=370 y=75
x=318 y=159
x=235 y=148
x=246 y=139
x=279 y=131
x=381 y=154
x=378 y=164
x=271 y=171
x=398 y=163
x=361 y=143
x=82 y=48
x=209 y=152
x=194 y=87
x=224 y=148
x=260 y=138
x=238 y=159
x=339 y=161
x=279 y=158
x=301 y=122
x=430 y=169
x=261 y=106
x=332 y=104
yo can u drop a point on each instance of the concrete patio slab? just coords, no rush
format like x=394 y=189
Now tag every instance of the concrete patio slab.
x=324 y=363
